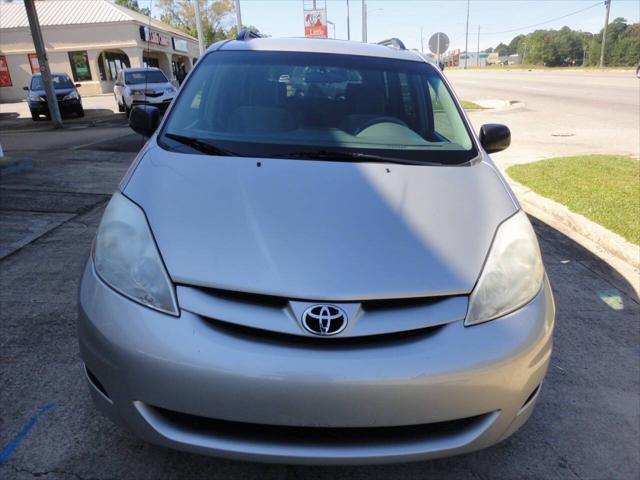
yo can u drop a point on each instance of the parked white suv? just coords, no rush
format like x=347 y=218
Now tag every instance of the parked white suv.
x=142 y=86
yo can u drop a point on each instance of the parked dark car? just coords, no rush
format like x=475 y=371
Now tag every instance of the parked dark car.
x=69 y=100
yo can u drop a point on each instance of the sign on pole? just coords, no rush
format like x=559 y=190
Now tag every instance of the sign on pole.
x=5 y=76
x=315 y=19
x=438 y=43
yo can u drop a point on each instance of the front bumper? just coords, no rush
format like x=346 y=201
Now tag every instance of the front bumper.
x=188 y=384
x=161 y=102
x=65 y=106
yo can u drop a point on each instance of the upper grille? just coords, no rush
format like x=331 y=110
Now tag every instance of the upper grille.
x=264 y=315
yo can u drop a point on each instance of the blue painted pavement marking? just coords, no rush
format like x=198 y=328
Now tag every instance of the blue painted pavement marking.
x=17 y=440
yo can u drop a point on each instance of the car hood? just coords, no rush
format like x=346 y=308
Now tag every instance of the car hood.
x=149 y=86
x=320 y=230
x=59 y=92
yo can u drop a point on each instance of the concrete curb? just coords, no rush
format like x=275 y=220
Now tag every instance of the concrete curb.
x=590 y=235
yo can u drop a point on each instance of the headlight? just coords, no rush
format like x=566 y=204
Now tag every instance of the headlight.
x=71 y=96
x=512 y=274
x=169 y=90
x=137 y=92
x=126 y=257
x=35 y=98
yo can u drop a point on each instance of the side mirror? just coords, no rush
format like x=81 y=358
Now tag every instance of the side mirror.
x=78 y=85
x=144 y=119
x=26 y=89
x=495 y=137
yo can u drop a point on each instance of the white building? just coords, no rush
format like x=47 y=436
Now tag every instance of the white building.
x=474 y=60
x=91 y=40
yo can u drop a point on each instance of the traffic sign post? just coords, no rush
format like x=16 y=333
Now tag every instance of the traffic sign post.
x=438 y=44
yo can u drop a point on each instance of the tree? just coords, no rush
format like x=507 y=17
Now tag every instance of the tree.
x=568 y=47
x=620 y=44
x=133 y=5
x=217 y=17
x=502 y=50
x=626 y=50
x=514 y=45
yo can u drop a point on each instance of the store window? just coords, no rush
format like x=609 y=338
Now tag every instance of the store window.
x=80 y=66
x=110 y=63
x=150 y=62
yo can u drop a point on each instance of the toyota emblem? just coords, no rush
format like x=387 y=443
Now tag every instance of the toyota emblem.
x=324 y=320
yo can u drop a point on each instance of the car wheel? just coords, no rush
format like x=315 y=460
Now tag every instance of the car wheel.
x=127 y=110
x=638 y=71
x=120 y=105
x=80 y=111
x=35 y=117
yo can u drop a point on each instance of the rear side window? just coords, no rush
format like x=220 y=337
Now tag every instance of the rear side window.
x=256 y=102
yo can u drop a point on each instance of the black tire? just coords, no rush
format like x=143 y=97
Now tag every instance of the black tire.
x=35 y=117
x=638 y=71
x=80 y=111
x=127 y=110
x=120 y=106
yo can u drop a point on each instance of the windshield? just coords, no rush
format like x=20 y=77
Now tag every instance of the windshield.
x=267 y=104
x=59 y=82
x=149 y=76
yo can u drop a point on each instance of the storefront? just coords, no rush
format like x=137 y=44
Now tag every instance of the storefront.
x=91 y=43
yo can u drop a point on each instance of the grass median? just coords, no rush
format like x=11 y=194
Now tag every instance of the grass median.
x=467 y=105
x=603 y=188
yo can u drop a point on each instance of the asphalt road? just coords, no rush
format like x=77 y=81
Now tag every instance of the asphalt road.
x=557 y=112
x=586 y=425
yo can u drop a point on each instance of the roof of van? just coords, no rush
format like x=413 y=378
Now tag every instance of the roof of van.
x=318 y=45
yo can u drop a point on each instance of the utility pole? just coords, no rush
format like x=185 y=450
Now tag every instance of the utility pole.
x=478 y=51
x=421 y=41
x=348 y=24
x=238 y=16
x=466 y=43
x=43 y=61
x=604 y=34
x=199 y=27
x=524 y=54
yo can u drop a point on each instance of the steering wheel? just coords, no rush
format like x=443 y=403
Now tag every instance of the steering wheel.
x=380 y=119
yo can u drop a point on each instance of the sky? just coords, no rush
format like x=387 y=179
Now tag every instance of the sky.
x=499 y=20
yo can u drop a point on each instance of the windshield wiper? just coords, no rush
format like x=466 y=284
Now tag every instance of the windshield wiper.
x=353 y=156
x=202 y=145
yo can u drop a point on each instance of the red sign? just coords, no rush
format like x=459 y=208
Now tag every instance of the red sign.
x=5 y=76
x=315 y=23
x=33 y=61
x=152 y=36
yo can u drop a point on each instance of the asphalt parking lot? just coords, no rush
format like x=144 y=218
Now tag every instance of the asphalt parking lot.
x=586 y=425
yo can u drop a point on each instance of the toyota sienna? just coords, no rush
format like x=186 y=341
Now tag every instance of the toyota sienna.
x=314 y=260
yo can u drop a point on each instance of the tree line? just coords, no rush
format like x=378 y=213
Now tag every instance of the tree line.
x=570 y=47
x=218 y=18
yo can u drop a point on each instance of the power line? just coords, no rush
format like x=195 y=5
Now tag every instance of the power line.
x=546 y=21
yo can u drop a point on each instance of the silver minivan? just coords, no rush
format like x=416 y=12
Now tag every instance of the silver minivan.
x=314 y=260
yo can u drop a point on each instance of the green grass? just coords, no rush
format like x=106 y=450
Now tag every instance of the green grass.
x=603 y=188
x=467 y=105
